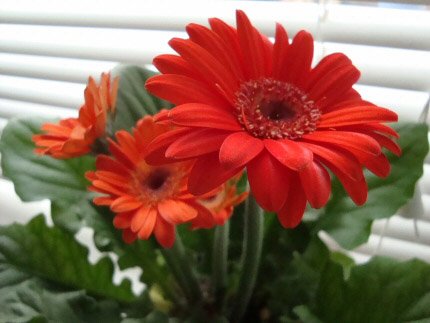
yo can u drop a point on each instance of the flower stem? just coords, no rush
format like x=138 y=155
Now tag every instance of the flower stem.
x=219 y=262
x=251 y=255
x=176 y=259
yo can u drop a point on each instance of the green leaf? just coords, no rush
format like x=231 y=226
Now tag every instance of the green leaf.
x=349 y=224
x=39 y=177
x=53 y=254
x=381 y=291
x=33 y=300
x=133 y=101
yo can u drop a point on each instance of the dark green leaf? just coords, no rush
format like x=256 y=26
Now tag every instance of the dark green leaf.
x=381 y=291
x=350 y=224
x=133 y=101
x=33 y=300
x=39 y=177
x=55 y=255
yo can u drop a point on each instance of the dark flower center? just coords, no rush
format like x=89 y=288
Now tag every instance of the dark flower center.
x=269 y=108
x=157 y=178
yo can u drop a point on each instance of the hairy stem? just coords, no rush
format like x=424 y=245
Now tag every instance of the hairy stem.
x=219 y=262
x=251 y=255
x=179 y=264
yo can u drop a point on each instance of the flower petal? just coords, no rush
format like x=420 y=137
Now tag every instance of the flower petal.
x=348 y=140
x=251 y=44
x=180 y=89
x=294 y=207
x=148 y=224
x=342 y=160
x=380 y=165
x=265 y=172
x=176 y=211
x=238 y=149
x=164 y=232
x=280 y=50
x=290 y=153
x=140 y=216
x=298 y=61
x=208 y=173
x=330 y=88
x=125 y=203
x=202 y=115
x=356 y=115
x=316 y=184
x=207 y=65
x=196 y=143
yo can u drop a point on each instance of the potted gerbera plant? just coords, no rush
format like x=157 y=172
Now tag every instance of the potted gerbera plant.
x=201 y=176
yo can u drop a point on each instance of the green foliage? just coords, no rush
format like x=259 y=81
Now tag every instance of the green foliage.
x=133 y=101
x=39 y=177
x=27 y=299
x=349 y=224
x=52 y=254
x=381 y=291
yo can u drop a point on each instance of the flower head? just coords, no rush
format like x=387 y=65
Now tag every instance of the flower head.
x=220 y=203
x=146 y=199
x=74 y=137
x=245 y=102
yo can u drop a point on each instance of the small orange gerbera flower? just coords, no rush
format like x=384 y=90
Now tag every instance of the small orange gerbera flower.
x=221 y=204
x=75 y=137
x=146 y=199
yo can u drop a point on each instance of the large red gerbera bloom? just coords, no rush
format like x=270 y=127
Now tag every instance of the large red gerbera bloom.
x=75 y=137
x=146 y=199
x=243 y=101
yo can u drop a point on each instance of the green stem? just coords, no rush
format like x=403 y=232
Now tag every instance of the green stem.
x=176 y=259
x=251 y=255
x=219 y=262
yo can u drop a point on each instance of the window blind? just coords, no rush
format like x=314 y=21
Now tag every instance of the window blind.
x=48 y=50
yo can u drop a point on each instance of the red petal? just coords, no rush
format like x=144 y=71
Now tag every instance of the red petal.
x=298 y=62
x=356 y=115
x=342 y=160
x=145 y=216
x=164 y=232
x=380 y=166
x=329 y=89
x=202 y=115
x=290 y=153
x=215 y=45
x=120 y=155
x=180 y=89
x=125 y=203
x=348 y=140
x=207 y=65
x=128 y=236
x=269 y=181
x=123 y=220
x=251 y=44
x=326 y=66
x=356 y=189
x=204 y=219
x=196 y=143
x=174 y=64
x=104 y=162
x=387 y=143
x=208 y=173
x=280 y=51
x=316 y=184
x=292 y=212
x=176 y=212
x=238 y=149
x=148 y=224
x=381 y=128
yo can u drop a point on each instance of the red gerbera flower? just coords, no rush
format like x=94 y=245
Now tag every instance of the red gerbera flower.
x=243 y=101
x=74 y=137
x=146 y=199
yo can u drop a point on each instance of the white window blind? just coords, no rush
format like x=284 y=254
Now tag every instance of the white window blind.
x=48 y=49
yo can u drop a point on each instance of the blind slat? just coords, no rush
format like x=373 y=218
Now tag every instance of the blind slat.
x=363 y=25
